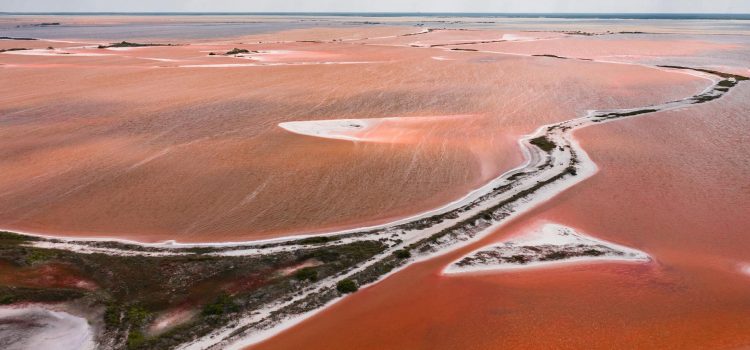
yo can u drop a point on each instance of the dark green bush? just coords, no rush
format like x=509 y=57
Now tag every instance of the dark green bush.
x=223 y=304
x=346 y=286
x=307 y=273
x=544 y=143
x=402 y=254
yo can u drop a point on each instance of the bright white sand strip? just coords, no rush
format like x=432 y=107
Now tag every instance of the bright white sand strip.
x=340 y=129
x=235 y=65
x=54 y=52
x=124 y=48
x=160 y=59
x=547 y=246
x=352 y=129
x=516 y=37
x=36 y=328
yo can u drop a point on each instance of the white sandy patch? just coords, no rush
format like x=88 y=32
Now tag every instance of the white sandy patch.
x=124 y=48
x=530 y=249
x=160 y=59
x=234 y=65
x=358 y=129
x=33 y=327
x=292 y=269
x=277 y=55
x=69 y=42
x=441 y=58
x=170 y=319
x=54 y=52
x=341 y=129
x=516 y=37
x=271 y=55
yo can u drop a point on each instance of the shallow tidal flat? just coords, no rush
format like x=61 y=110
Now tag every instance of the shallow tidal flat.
x=169 y=142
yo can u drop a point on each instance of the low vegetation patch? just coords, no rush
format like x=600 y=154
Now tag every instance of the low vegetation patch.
x=346 y=286
x=13 y=49
x=132 y=290
x=13 y=38
x=222 y=305
x=544 y=143
x=237 y=51
x=550 y=56
x=709 y=71
x=129 y=44
x=628 y=114
x=402 y=254
x=306 y=274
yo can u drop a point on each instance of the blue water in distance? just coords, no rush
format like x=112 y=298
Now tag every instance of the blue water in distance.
x=234 y=24
x=724 y=16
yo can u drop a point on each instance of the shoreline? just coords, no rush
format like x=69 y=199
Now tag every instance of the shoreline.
x=545 y=235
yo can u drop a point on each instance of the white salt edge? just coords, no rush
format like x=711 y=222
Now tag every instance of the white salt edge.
x=549 y=234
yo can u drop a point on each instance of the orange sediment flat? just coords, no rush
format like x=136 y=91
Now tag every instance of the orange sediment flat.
x=672 y=184
x=122 y=145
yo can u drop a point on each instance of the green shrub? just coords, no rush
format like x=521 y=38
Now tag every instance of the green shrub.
x=135 y=339
x=112 y=315
x=402 y=254
x=40 y=255
x=544 y=143
x=223 y=304
x=137 y=315
x=307 y=273
x=346 y=286
x=6 y=299
x=327 y=255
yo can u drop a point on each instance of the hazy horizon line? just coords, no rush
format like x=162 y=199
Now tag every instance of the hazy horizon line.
x=373 y=12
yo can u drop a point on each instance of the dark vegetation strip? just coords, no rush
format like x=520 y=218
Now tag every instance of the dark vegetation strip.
x=544 y=143
x=709 y=71
x=12 y=38
x=626 y=114
x=129 y=44
x=551 y=56
x=13 y=49
x=237 y=51
x=469 y=43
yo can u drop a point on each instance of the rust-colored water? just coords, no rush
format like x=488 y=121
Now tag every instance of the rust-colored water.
x=121 y=145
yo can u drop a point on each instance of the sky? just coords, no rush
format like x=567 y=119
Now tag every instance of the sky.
x=498 y=6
